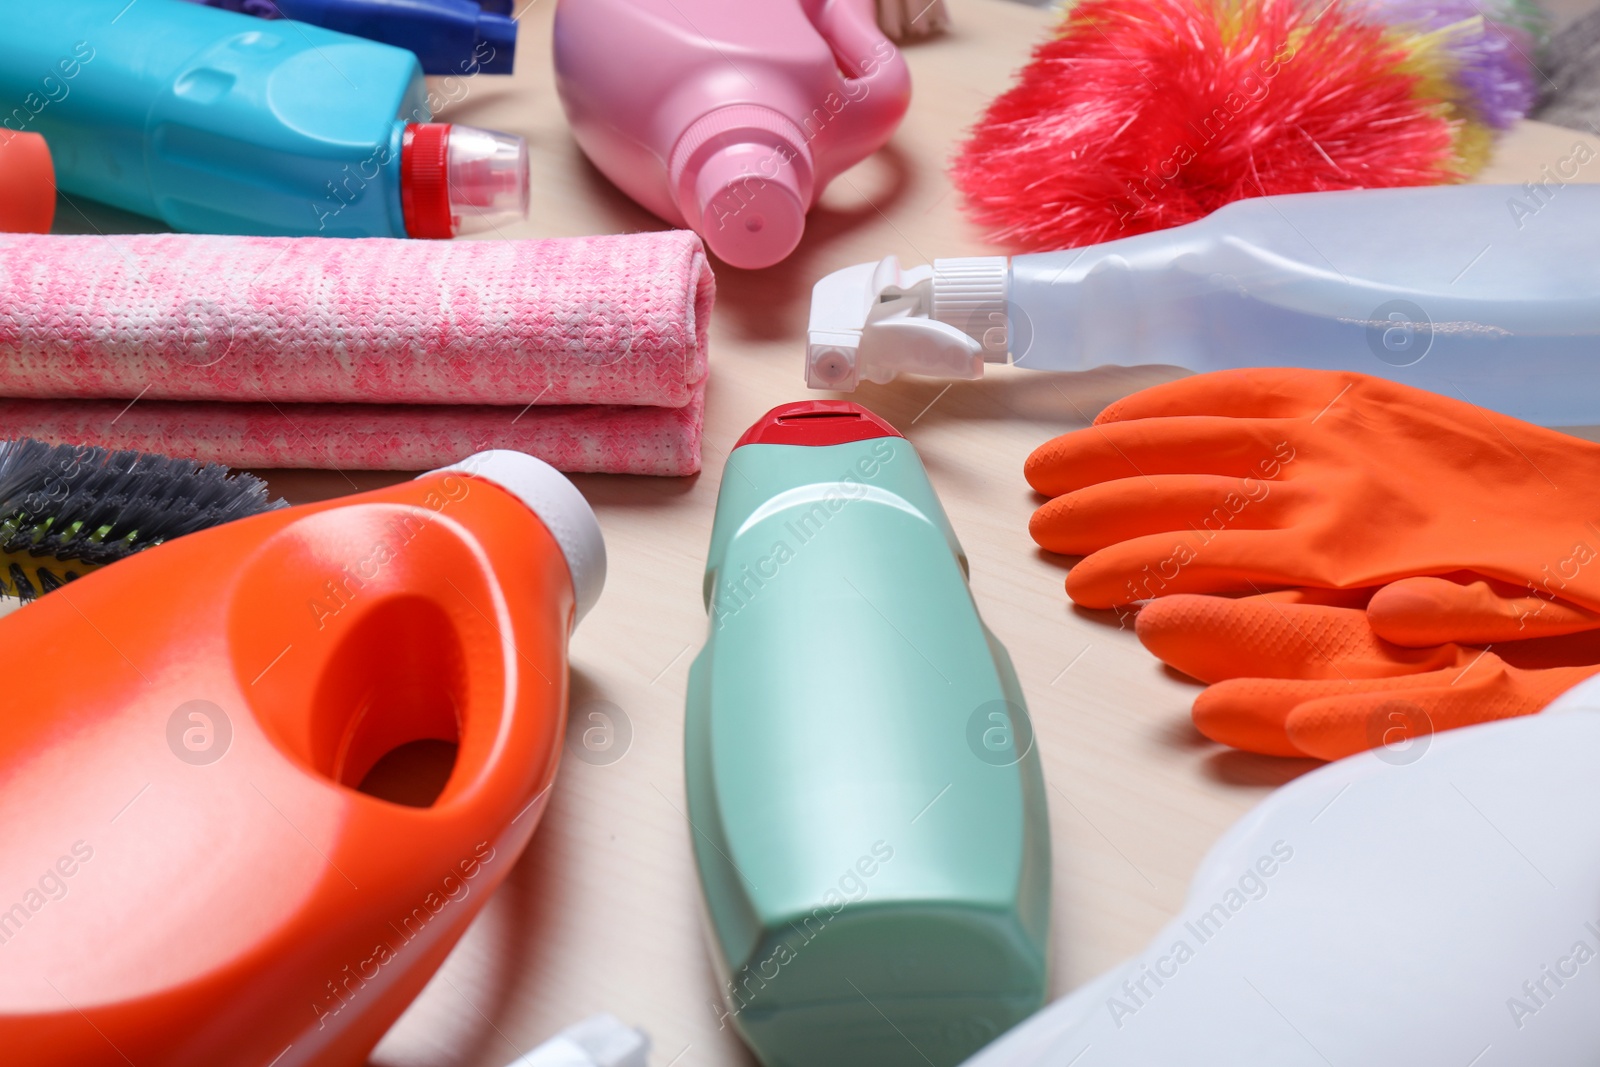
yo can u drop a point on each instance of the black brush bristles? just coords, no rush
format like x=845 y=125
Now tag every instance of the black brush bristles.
x=68 y=509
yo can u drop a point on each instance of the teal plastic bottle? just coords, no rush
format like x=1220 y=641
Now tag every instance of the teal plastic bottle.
x=216 y=122
x=868 y=811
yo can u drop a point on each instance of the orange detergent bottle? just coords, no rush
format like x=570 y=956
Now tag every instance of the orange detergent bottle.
x=194 y=871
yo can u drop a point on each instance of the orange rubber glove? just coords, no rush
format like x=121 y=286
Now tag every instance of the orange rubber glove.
x=1246 y=480
x=1302 y=673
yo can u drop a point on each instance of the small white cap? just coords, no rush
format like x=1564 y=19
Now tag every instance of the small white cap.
x=599 y=1041
x=558 y=504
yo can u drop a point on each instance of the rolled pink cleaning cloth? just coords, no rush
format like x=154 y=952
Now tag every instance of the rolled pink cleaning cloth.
x=374 y=354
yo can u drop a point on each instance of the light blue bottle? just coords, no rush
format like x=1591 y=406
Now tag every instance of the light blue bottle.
x=1488 y=293
x=216 y=122
x=866 y=799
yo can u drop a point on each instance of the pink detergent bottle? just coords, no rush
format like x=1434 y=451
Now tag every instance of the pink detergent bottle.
x=726 y=116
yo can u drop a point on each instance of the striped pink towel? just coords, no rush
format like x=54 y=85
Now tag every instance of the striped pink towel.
x=361 y=354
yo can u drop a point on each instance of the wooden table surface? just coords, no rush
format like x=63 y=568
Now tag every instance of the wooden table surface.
x=602 y=913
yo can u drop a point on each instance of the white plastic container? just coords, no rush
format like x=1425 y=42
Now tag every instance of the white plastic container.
x=1487 y=292
x=1434 y=903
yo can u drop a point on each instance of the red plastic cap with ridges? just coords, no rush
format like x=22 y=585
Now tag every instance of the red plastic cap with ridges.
x=816 y=422
x=424 y=185
x=27 y=184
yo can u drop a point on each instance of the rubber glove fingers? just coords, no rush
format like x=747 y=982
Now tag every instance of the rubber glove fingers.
x=1200 y=505
x=1158 y=565
x=1251 y=392
x=1317 y=633
x=1361 y=481
x=1294 y=676
x=1429 y=611
x=1252 y=714
x=1200 y=444
x=1337 y=726
x=1333 y=718
x=1214 y=638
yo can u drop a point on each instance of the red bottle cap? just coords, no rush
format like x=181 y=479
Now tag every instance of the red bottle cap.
x=424 y=180
x=27 y=183
x=817 y=422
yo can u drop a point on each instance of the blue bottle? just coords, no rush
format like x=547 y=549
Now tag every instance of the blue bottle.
x=216 y=122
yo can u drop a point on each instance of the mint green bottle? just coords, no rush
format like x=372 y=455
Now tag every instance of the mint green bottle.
x=868 y=811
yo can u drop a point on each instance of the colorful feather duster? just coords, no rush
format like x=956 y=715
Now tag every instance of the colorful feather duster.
x=1488 y=47
x=1144 y=114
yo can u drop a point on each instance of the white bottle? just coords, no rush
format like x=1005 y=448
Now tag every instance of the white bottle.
x=1485 y=292
x=1431 y=904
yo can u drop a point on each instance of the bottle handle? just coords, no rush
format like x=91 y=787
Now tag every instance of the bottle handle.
x=410 y=636
x=874 y=75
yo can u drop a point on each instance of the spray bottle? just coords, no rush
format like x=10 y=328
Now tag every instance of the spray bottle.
x=216 y=122
x=1477 y=291
x=209 y=852
x=869 y=816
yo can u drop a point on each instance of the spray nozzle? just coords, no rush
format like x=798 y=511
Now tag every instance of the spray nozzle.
x=873 y=321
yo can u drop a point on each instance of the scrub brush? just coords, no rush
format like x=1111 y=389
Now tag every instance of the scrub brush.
x=66 y=510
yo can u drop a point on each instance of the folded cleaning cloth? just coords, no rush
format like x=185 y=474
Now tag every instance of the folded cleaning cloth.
x=405 y=354
x=605 y=439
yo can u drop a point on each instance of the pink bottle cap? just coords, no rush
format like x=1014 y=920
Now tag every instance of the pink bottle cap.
x=742 y=177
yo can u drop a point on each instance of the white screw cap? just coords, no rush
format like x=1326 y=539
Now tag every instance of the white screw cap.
x=969 y=293
x=558 y=504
